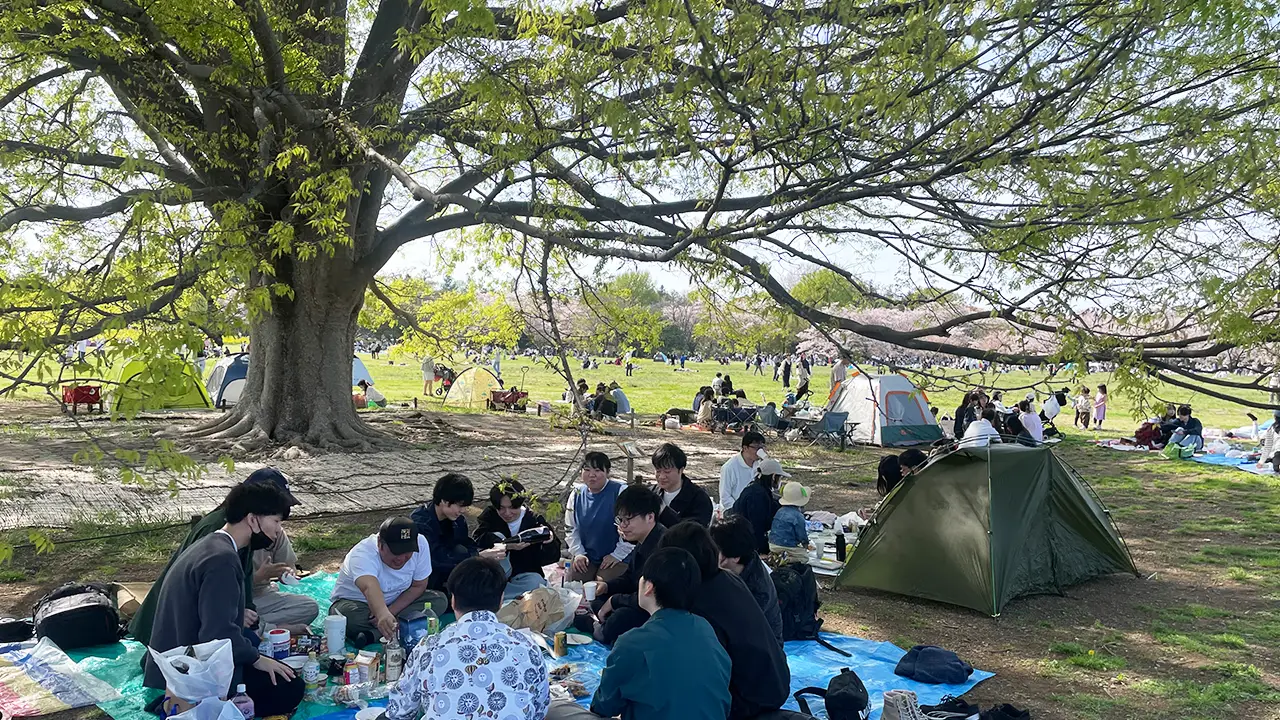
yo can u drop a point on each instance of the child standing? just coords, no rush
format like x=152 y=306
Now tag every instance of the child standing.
x=1100 y=407
x=788 y=534
x=1083 y=407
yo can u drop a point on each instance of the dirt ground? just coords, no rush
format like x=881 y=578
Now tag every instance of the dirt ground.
x=1193 y=637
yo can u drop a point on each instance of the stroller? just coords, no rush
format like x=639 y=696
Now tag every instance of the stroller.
x=1051 y=430
x=446 y=376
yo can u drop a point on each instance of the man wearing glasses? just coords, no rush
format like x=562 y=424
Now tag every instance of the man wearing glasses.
x=616 y=605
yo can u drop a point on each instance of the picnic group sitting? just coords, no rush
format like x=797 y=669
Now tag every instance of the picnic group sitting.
x=689 y=609
x=608 y=401
x=981 y=419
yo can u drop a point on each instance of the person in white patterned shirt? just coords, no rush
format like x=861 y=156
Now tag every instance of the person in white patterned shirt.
x=477 y=667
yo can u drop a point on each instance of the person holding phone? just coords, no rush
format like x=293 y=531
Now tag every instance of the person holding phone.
x=507 y=517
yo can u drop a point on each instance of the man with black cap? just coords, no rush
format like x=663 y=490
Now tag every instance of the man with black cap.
x=382 y=580
x=140 y=627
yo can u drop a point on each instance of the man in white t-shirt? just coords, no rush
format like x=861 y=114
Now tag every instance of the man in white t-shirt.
x=740 y=470
x=382 y=579
x=981 y=432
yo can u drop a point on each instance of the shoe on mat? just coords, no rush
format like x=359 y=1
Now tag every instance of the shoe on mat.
x=951 y=708
x=890 y=711
x=1005 y=711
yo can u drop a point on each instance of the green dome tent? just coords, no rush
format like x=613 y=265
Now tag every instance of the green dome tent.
x=158 y=385
x=978 y=527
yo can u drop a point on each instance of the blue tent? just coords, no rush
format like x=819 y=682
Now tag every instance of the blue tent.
x=227 y=380
x=358 y=372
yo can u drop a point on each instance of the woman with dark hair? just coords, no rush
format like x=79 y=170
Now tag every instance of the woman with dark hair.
x=965 y=414
x=1014 y=427
x=888 y=474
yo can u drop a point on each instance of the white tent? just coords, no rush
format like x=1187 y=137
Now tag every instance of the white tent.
x=889 y=410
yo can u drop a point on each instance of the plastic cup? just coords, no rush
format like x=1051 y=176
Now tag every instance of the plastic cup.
x=589 y=591
x=335 y=634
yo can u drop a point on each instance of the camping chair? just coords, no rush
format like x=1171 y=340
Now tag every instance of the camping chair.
x=832 y=430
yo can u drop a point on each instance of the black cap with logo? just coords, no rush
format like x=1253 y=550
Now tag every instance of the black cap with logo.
x=399 y=534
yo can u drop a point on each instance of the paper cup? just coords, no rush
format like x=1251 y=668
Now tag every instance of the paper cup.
x=589 y=590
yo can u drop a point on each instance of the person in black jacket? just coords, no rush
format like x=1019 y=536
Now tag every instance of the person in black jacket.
x=680 y=497
x=615 y=604
x=758 y=502
x=965 y=414
x=733 y=537
x=202 y=599
x=442 y=524
x=509 y=515
x=760 y=679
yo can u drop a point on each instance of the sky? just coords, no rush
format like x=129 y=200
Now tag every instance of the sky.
x=884 y=269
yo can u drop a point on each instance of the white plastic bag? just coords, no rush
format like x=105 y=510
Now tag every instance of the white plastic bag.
x=207 y=675
x=211 y=709
x=1218 y=447
x=37 y=675
x=572 y=598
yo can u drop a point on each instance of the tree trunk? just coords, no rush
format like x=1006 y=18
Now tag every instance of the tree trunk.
x=298 y=389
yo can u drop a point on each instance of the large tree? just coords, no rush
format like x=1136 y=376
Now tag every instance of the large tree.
x=1028 y=154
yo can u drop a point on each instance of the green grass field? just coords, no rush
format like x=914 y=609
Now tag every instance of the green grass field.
x=655 y=387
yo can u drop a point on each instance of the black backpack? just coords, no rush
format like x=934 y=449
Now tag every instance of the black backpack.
x=14 y=630
x=845 y=698
x=78 y=615
x=798 y=598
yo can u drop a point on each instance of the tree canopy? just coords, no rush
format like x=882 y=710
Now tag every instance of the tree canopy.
x=1035 y=157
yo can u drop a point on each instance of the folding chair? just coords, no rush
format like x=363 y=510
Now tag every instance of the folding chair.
x=832 y=430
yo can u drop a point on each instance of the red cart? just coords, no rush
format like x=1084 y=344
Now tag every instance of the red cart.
x=73 y=396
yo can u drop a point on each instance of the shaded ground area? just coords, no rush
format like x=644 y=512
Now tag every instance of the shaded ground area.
x=1194 y=637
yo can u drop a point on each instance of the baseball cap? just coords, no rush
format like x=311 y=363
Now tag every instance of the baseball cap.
x=769 y=466
x=399 y=534
x=270 y=475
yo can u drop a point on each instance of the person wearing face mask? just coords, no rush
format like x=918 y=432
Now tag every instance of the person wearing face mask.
x=140 y=626
x=507 y=516
x=381 y=581
x=200 y=599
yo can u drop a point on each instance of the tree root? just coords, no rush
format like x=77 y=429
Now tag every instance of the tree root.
x=244 y=429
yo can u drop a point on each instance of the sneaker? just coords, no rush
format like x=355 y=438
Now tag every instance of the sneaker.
x=951 y=708
x=1005 y=712
x=908 y=706
x=890 y=711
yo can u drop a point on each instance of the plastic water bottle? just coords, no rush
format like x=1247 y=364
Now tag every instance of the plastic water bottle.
x=311 y=676
x=433 y=620
x=243 y=702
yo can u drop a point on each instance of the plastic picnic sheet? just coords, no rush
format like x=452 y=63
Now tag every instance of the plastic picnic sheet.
x=810 y=663
x=1249 y=466
x=121 y=664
